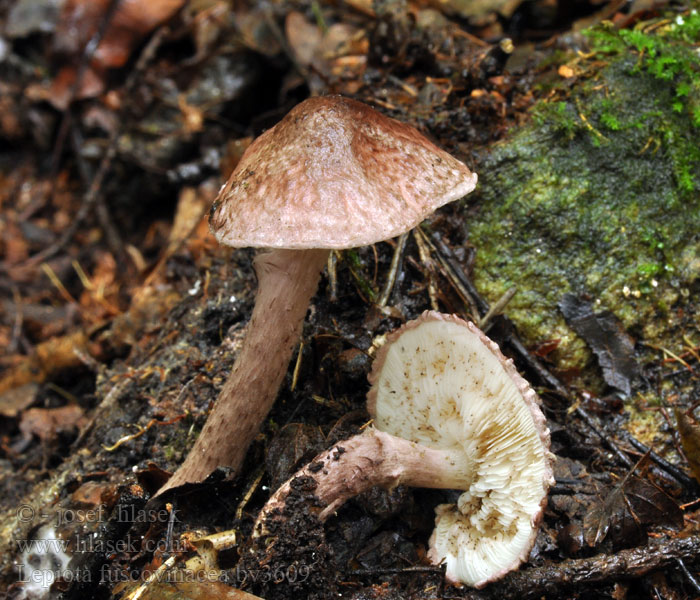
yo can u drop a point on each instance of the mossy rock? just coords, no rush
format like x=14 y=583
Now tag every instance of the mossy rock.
x=599 y=196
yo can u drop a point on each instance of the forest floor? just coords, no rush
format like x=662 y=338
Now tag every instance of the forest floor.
x=121 y=315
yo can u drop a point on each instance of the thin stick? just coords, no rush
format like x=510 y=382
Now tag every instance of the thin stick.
x=675 y=472
x=429 y=264
x=627 y=564
x=586 y=418
x=396 y=261
x=465 y=288
x=332 y=276
x=496 y=308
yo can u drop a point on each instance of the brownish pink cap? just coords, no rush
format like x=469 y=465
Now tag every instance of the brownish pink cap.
x=335 y=173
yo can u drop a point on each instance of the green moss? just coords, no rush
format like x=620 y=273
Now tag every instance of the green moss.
x=598 y=196
x=667 y=54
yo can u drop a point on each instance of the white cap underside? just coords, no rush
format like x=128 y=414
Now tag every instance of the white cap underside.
x=440 y=386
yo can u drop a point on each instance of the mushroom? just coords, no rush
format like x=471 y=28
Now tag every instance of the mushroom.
x=332 y=174
x=450 y=412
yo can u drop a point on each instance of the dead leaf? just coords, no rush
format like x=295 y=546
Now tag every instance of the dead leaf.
x=47 y=359
x=689 y=431
x=479 y=11
x=95 y=493
x=603 y=333
x=257 y=34
x=343 y=39
x=47 y=423
x=173 y=585
x=304 y=38
x=651 y=505
x=80 y=19
x=60 y=92
x=13 y=402
x=630 y=507
x=132 y=20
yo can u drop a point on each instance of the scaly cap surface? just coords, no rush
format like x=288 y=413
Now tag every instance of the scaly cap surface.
x=335 y=173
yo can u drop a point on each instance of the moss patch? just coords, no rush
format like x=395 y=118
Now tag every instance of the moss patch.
x=599 y=194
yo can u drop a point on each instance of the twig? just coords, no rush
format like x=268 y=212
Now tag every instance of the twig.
x=114 y=240
x=627 y=564
x=84 y=210
x=249 y=492
x=465 y=288
x=155 y=577
x=607 y=441
x=688 y=575
x=17 y=323
x=429 y=265
x=450 y=261
x=333 y=276
x=686 y=481
x=497 y=308
x=396 y=261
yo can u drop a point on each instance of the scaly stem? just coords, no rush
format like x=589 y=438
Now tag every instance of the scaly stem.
x=372 y=458
x=287 y=280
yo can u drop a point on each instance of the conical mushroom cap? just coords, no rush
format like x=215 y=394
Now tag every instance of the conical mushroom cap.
x=334 y=173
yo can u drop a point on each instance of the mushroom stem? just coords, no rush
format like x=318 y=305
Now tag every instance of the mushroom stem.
x=372 y=458
x=287 y=280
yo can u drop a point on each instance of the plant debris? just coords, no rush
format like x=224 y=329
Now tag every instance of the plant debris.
x=603 y=333
x=120 y=316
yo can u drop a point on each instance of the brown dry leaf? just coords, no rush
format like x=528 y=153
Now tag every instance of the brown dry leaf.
x=630 y=506
x=79 y=21
x=191 y=207
x=208 y=18
x=304 y=38
x=689 y=431
x=95 y=493
x=479 y=11
x=100 y=296
x=15 y=248
x=342 y=39
x=47 y=423
x=59 y=93
x=48 y=358
x=363 y=6
x=651 y=505
x=13 y=402
x=604 y=334
x=257 y=34
x=188 y=590
x=132 y=20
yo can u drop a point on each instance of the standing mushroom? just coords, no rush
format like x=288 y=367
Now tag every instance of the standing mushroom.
x=450 y=412
x=332 y=174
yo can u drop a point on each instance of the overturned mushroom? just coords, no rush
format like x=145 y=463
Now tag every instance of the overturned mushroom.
x=451 y=412
x=334 y=173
